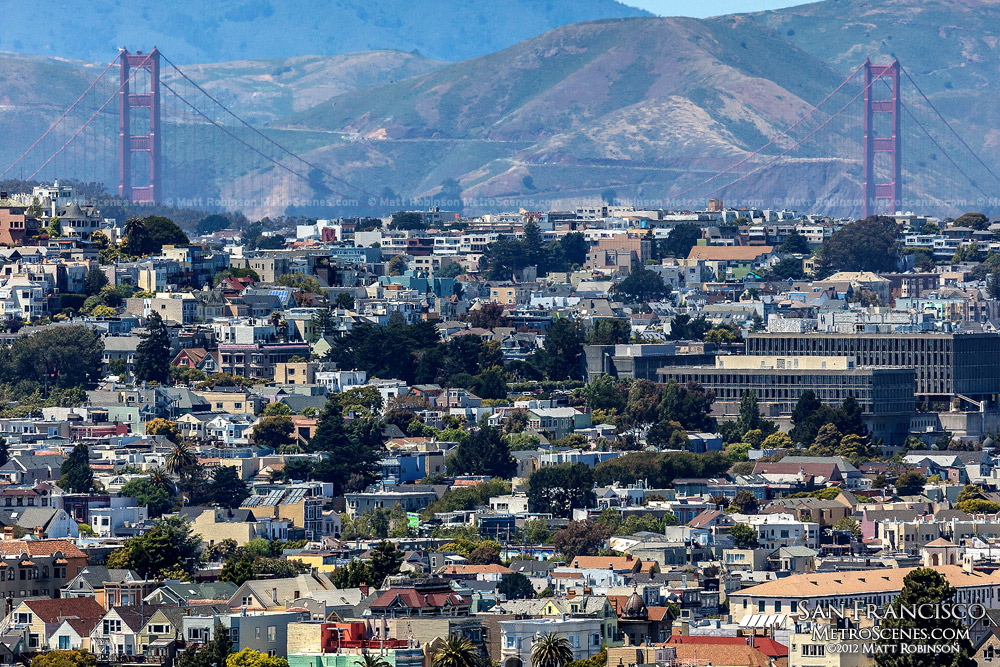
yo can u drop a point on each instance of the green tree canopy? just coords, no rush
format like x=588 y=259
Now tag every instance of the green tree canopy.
x=152 y=355
x=864 y=245
x=561 y=488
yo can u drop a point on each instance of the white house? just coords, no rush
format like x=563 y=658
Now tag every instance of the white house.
x=585 y=637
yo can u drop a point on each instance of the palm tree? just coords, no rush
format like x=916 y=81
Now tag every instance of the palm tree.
x=135 y=234
x=369 y=660
x=551 y=650
x=181 y=458
x=159 y=479
x=456 y=652
x=134 y=226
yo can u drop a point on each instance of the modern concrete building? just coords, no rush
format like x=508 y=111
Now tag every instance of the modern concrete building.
x=886 y=395
x=948 y=366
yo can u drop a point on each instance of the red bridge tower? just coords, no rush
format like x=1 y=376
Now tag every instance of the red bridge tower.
x=883 y=148
x=130 y=144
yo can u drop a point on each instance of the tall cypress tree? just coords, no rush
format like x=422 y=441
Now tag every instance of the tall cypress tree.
x=76 y=474
x=152 y=356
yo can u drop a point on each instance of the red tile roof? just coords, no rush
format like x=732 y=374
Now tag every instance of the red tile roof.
x=61 y=609
x=40 y=548
x=417 y=600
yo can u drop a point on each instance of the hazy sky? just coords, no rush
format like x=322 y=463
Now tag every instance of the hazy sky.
x=702 y=8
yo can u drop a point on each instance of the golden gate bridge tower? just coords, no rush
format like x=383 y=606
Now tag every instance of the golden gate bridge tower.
x=136 y=110
x=883 y=146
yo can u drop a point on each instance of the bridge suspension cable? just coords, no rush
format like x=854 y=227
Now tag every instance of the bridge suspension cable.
x=264 y=136
x=948 y=125
x=770 y=143
x=58 y=120
x=800 y=141
x=89 y=120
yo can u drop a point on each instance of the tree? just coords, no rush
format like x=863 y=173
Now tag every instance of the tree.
x=152 y=355
x=795 y=244
x=63 y=357
x=347 y=454
x=237 y=570
x=407 y=220
x=457 y=651
x=181 y=459
x=880 y=481
x=4 y=451
x=682 y=327
x=923 y=588
x=689 y=405
x=976 y=221
x=641 y=406
x=749 y=418
x=744 y=502
x=248 y=657
x=826 y=442
x=155 y=499
x=76 y=476
x=560 y=358
x=487 y=553
x=910 y=484
x=851 y=419
x=489 y=315
x=681 y=239
x=580 y=538
x=994 y=285
x=516 y=586
x=642 y=285
x=863 y=245
x=355 y=573
x=213 y=654
x=135 y=236
x=551 y=650
x=164 y=427
x=276 y=408
x=849 y=524
x=96 y=281
x=744 y=536
x=852 y=447
x=396 y=266
x=612 y=331
x=161 y=231
x=167 y=547
x=274 y=432
x=559 y=489
x=227 y=488
x=777 y=440
x=372 y=660
x=80 y=658
x=385 y=561
x=212 y=223
x=978 y=506
x=808 y=415
x=969 y=492
x=786 y=268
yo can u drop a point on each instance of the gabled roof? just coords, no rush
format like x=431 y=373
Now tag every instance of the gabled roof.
x=57 y=610
x=729 y=253
x=40 y=548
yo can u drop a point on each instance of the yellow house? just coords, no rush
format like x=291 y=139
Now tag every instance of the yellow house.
x=40 y=619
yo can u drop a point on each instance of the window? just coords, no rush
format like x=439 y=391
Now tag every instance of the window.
x=272 y=633
x=64 y=643
x=256 y=632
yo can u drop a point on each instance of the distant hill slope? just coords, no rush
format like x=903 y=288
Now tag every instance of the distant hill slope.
x=189 y=31
x=951 y=47
x=34 y=90
x=627 y=104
